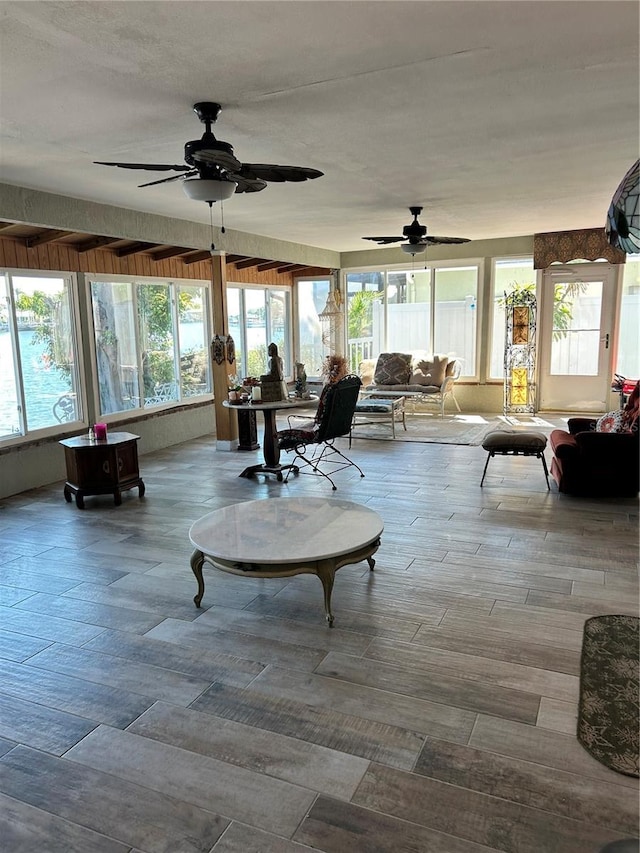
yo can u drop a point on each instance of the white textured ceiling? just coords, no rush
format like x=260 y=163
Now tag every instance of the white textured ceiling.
x=500 y=118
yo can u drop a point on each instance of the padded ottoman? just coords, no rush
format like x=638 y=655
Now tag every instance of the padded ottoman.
x=515 y=443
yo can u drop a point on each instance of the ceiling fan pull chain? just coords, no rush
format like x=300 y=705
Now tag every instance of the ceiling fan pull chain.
x=213 y=245
x=222 y=230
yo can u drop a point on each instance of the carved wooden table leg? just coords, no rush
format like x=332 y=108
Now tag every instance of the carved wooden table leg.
x=197 y=559
x=326 y=571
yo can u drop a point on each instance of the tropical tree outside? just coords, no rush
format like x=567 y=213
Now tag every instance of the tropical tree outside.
x=51 y=330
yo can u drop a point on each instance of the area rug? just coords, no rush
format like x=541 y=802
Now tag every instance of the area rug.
x=453 y=429
x=608 y=713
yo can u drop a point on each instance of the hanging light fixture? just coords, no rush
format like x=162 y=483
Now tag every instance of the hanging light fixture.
x=208 y=189
x=623 y=217
x=414 y=248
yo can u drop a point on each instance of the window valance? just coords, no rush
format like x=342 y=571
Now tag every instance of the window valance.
x=588 y=244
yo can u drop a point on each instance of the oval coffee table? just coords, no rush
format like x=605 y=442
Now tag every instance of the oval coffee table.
x=281 y=537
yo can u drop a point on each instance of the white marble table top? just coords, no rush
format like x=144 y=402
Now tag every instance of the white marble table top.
x=279 y=530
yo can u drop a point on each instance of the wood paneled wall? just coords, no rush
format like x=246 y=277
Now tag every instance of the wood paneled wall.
x=62 y=257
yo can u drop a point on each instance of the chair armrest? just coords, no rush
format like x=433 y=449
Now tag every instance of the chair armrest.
x=303 y=422
x=563 y=444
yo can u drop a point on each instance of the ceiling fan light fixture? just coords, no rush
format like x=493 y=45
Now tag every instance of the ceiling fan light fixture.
x=414 y=248
x=208 y=189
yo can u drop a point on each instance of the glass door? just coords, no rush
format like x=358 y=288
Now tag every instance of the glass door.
x=575 y=345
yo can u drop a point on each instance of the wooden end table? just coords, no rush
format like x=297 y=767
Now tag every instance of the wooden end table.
x=108 y=466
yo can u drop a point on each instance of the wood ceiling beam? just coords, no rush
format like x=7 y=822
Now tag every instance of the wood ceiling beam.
x=270 y=265
x=196 y=257
x=7 y=226
x=248 y=262
x=95 y=243
x=135 y=249
x=170 y=252
x=233 y=259
x=292 y=267
x=47 y=236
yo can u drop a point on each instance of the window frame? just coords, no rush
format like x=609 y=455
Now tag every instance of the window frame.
x=71 y=281
x=313 y=373
x=495 y=260
x=287 y=289
x=174 y=285
x=431 y=267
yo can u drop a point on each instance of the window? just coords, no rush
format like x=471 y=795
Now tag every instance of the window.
x=258 y=317
x=628 y=362
x=365 y=316
x=193 y=335
x=151 y=343
x=455 y=314
x=575 y=338
x=38 y=354
x=432 y=310
x=409 y=311
x=311 y=296
x=509 y=274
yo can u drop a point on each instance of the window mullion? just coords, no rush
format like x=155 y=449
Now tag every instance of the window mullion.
x=175 y=322
x=17 y=358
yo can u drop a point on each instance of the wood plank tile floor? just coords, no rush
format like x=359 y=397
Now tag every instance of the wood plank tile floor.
x=438 y=714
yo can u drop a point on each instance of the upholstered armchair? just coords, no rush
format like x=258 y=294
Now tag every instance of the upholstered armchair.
x=596 y=464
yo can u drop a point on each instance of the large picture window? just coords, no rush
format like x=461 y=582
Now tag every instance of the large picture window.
x=311 y=296
x=257 y=317
x=509 y=275
x=38 y=354
x=151 y=343
x=432 y=310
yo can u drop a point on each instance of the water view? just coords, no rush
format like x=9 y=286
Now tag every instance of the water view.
x=43 y=384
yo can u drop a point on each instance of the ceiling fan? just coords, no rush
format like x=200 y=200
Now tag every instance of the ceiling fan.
x=417 y=236
x=212 y=172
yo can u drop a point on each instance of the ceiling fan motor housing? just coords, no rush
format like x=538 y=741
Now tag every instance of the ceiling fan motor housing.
x=415 y=232
x=195 y=152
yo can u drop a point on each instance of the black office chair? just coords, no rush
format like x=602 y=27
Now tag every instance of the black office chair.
x=333 y=420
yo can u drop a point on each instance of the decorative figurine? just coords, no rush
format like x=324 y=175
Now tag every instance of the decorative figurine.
x=274 y=387
x=301 y=390
x=274 y=364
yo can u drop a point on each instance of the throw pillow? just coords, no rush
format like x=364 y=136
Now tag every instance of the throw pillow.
x=365 y=371
x=431 y=372
x=393 y=368
x=420 y=378
x=439 y=367
x=612 y=422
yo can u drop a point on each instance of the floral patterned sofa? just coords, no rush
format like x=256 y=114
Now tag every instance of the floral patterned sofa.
x=415 y=376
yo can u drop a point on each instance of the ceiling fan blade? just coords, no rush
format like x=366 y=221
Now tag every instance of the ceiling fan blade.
x=150 y=167
x=432 y=241
x=217 y=157
x=190 y=174
x=246 y=184
x=384 y=240
x=278 y=174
